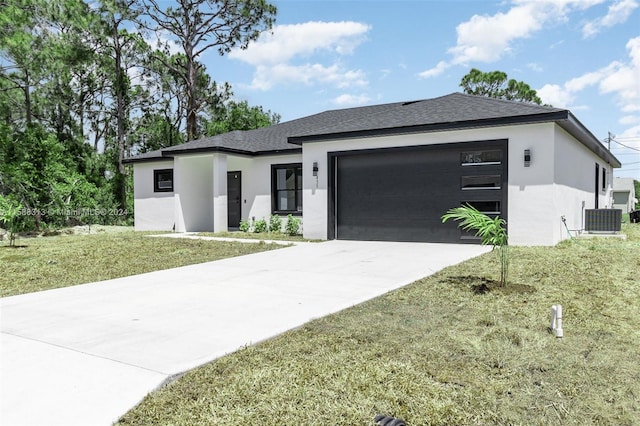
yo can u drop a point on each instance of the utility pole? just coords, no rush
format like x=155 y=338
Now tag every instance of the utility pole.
x=608 y=139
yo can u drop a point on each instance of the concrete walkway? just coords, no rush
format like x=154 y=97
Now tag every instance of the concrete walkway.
x=85 y=355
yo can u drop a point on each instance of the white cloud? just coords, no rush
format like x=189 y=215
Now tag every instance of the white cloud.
x=629 y=119
x=265 y=77
x=487 y=38
x=534 y=67
x=351 y=100
x=556 y=95
x=631 y=133
x=624 y=81
x=618 y=13
x=620 y=79
x=435 y=71
x=277 y=54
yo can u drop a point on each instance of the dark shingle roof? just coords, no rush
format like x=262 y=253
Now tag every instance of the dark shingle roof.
x=456 y=110
x=453 y=111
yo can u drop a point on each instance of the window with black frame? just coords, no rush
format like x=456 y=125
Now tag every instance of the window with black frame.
x=286 y=188
x=163 y=180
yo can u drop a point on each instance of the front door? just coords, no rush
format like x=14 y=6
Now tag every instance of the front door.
x=234 y=199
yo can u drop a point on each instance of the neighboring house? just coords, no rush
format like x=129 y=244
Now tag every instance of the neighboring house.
x=385 y=172
x=624 y=194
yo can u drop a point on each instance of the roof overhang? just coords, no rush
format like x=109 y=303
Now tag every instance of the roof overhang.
x=169 y=154
x=564 y=118
x=573 y=126
x=134 y=160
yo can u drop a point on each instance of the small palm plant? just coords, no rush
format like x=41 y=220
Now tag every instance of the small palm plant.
x=491 y=232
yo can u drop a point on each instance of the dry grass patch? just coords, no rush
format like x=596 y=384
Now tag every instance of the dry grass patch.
x=59 y=261
x=439 y=352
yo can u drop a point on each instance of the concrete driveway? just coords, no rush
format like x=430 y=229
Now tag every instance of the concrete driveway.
x=85 y=355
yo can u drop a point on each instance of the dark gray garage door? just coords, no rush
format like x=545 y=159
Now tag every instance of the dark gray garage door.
x=401 y=194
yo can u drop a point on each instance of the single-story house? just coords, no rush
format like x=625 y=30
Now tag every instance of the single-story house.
x=624 y=194
x=385 y=172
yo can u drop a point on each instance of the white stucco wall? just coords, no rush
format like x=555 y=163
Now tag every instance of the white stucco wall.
x=575 y=182
x=193 y=188
x=153 y=211
x=256 y=182
x=537 y=195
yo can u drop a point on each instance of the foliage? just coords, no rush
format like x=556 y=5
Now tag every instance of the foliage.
x=494 y=84
x=199 y=25
x=275 y=223
x=636 y=184
x=260 y=226
x=9 y=215
x=238 y=116
x=37 y=170
x=81 y=90
x=245 y=226
x=491 y=232
x=292 y=226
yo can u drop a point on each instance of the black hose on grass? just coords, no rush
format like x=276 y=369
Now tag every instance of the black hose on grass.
x=383 y=420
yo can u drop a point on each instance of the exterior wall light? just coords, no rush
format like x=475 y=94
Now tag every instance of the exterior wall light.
x=315 y=168
x=527 y=157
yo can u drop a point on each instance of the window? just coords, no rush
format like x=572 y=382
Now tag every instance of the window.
x=481 y=158
x=163 y=180
x=286 y=188
x=480 y=182
x=486 y=207
x=604 y=179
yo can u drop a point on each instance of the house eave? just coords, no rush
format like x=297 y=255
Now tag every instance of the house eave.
x=134 y=160
x=168 y=155
x=574 y=127
x=205 y=150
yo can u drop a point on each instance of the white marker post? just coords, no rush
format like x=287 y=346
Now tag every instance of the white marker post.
x=556 y=320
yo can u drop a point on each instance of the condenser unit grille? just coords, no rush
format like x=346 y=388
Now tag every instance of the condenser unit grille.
x=603 y=220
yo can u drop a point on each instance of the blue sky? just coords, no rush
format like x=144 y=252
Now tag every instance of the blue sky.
x=583 y=55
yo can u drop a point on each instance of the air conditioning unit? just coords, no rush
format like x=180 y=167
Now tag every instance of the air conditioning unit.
x=603 y=220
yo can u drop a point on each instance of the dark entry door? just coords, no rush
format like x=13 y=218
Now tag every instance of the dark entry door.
x=234 y=199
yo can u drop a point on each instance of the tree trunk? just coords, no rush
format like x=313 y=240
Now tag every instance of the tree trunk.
x=192 y=107
x=27 y=98
x=120 y=115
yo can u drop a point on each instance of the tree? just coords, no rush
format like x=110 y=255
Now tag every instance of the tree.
x=10 y=215
x=199 y=25
x=121 y=52
x=494 y=84
x=491 y=232
x=239 y=116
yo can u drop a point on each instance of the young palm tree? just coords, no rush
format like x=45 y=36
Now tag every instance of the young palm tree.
x=491 y=232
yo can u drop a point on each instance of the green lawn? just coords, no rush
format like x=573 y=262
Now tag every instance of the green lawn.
x=442 y=352
x=59 y=261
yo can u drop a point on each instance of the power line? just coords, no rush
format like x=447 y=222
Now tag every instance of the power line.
x=626 y=146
